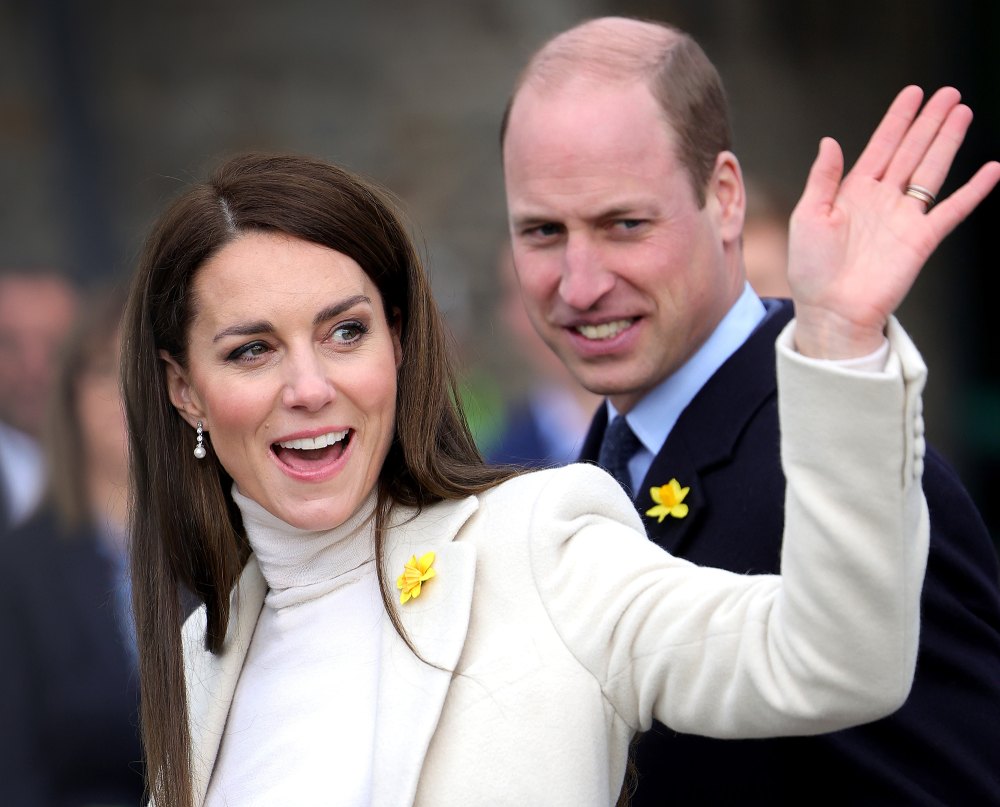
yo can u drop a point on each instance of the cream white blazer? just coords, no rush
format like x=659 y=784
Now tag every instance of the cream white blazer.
x=554 y=630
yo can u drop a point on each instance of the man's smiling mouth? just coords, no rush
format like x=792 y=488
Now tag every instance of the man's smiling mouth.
x=606 y=330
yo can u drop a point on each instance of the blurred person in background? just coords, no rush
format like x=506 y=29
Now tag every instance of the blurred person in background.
x=627 y=210
x=765 y=239
x=546 y=426
x=36 y=311
x=68 y=681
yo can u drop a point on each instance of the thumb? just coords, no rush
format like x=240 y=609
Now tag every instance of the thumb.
x=824 y=179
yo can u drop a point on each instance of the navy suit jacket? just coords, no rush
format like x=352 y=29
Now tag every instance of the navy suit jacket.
x=68 y=688
x=943 y=745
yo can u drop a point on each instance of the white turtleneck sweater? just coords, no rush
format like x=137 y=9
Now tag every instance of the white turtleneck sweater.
x=301 y=727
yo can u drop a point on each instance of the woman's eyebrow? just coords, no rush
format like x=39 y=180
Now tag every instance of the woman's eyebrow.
x=244 y=329
x=337 y=309
x=264 y=326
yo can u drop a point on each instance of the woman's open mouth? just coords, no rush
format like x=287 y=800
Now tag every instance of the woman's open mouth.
x=305 y=454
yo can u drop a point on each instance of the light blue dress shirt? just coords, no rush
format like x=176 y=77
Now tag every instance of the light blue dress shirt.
x=656 y=414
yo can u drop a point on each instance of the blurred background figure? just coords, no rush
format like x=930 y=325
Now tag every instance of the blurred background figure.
x=546 y=425
x=100 y=122
x=68 y=684
x=765 y=239
x=36 y=311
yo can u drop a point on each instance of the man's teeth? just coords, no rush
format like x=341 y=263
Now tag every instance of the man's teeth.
x=606 y=330
x=322 y=441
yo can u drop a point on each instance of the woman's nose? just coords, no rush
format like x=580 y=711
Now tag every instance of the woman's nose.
x=308 y=384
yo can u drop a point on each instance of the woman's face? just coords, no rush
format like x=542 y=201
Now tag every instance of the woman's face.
x=292 y=368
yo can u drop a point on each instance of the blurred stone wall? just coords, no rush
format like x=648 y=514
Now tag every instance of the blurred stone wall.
x=108 y=108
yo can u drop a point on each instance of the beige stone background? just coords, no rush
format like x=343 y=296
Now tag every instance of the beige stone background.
x=108 y=107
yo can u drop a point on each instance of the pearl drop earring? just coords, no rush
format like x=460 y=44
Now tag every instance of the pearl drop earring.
x=199 y=449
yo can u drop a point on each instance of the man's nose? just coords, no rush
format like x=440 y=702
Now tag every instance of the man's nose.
x=585 y=279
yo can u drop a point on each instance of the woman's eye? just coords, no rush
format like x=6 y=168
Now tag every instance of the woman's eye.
x=347 y=332
x=248 y=352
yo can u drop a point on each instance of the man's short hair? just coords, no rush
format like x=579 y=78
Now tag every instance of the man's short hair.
x=674 y=67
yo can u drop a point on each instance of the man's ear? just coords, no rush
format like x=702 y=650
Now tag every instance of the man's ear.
x=182 y=394
x=726 y=194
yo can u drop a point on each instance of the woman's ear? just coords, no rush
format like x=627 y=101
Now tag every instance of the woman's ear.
x=396 y=329
x=182 y=394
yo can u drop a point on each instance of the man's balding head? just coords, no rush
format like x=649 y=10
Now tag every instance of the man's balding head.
x=618 y=50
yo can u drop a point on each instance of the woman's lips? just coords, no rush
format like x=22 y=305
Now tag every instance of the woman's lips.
x=318 y=441
x=311 y=455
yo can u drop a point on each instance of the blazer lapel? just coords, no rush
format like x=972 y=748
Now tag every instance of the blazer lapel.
x=211 y=679
x=707 y=433
x=412 y=692
x=696 y=444
x=591 y=448
x=673 y=462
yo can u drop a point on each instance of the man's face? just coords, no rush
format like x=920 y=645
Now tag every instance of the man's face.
x=35 y=317
x=622 y=273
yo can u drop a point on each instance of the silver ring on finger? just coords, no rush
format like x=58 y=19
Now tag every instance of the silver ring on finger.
x=921 y=193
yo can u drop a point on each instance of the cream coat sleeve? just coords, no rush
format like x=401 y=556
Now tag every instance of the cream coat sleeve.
x=830 y=643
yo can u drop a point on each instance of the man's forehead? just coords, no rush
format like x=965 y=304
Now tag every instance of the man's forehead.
x=583 y=109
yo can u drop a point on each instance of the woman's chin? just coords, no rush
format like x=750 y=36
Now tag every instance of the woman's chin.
x=310 y=507
x=317 y=514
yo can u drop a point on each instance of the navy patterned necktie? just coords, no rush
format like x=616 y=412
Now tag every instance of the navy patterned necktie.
x=617 y=448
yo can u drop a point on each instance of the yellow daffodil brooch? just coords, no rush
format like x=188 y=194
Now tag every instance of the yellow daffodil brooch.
x=414 y=573
x=669 y=500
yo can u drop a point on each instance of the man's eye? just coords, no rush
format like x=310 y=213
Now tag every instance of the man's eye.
x=629 y=224
x=547 y=230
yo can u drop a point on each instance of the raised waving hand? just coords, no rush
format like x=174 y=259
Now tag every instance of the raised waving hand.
x=858 y=242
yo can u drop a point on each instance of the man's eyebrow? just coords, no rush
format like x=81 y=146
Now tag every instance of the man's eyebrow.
x=622 y=211
x=529 y=220
x=637 y=209
x=264 y=326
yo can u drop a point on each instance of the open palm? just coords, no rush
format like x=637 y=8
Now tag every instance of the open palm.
x=858 y=242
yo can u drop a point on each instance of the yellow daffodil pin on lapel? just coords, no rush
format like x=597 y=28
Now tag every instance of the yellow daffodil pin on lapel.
x=669 y=500
x=415 y=571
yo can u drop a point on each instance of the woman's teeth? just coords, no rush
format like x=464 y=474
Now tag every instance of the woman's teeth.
x=321 y=441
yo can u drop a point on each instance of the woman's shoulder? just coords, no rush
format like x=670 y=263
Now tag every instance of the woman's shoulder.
x=574 y=481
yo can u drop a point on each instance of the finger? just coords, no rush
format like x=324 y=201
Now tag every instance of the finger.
x=934 y=167
x=889 y=133
x=949 y=213
x=921 y=134
x=824 y=178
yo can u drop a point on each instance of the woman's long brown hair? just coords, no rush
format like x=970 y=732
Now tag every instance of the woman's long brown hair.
x=187 y=533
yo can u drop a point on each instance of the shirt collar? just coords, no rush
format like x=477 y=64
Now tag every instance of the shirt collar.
x=655 y=415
